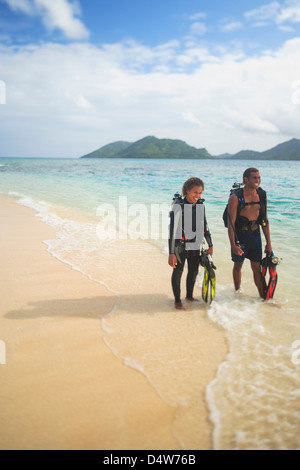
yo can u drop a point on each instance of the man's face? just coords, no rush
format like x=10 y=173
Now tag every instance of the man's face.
x=253 y=181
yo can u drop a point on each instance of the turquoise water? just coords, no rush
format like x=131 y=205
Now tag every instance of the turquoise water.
x=254 y=398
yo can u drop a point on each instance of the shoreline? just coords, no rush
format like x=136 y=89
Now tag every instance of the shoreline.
x=63 y=388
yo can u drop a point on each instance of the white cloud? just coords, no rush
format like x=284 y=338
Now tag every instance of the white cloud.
x=67 y=100
x=198 y=28
x=60 y=14
x=190 y=117
x=250 y=122
x=194 y=55
x=25 y=6
x=79 y=100
x=288 y=29
x=231 y=26
x=264 y=12
x=276 y=13
x=197 y=16
x=291 y=12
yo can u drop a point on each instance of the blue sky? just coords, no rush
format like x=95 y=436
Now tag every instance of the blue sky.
x=76 y=75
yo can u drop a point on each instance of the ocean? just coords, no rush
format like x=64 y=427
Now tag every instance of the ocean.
x=97 y=206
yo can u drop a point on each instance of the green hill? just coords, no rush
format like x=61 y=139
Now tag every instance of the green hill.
x=109 y=150
x=289 y=150
x=150 y=147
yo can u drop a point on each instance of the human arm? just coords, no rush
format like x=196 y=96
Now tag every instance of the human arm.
x=172 y=260
x=266 y=231
x=207 y=236
x=232 y=213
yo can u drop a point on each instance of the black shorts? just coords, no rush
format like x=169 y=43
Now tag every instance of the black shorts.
x=251 y=245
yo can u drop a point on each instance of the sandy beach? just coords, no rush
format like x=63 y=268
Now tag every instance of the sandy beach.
x=62 y=387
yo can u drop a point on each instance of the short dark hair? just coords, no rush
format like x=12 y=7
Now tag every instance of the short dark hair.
x=248 y=172
x=190 y=183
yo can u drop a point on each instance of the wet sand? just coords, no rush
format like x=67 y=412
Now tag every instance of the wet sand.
x=62 y=387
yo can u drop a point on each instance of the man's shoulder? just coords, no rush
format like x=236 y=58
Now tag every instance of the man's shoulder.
x=237 y=195
x=233 y=201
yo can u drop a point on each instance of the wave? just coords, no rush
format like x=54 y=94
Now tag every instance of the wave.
x=76 y=244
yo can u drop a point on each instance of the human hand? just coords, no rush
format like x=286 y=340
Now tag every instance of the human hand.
x=237 y=250
x=172 y=261
x=268 y=248
x=210 y=250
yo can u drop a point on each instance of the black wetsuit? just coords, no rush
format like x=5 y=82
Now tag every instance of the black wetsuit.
x=179 y=247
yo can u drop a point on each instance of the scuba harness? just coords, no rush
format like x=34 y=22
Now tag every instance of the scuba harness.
x=180 y=244
x=243 y=223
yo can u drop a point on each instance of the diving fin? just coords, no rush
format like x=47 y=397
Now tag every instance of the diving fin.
x=272 y=284
x=209 y=277
x=270 y=262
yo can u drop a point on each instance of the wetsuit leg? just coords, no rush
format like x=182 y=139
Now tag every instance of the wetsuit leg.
x=193 y=268
x=176 y=276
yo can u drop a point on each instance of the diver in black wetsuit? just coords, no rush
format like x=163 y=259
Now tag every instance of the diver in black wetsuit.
x=188 y=226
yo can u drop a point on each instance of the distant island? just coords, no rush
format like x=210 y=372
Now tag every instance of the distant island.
x=289 y=150
x=152 y=147
x=149 y=147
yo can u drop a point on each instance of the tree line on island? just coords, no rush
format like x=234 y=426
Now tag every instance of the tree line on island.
x=152 y=147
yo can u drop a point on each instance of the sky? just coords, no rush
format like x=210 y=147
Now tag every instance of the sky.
x=77 y=75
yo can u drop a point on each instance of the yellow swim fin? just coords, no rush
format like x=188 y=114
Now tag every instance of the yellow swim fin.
x=209 y=277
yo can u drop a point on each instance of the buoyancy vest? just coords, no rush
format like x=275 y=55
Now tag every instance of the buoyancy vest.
x=243 y=222
x=173 y=239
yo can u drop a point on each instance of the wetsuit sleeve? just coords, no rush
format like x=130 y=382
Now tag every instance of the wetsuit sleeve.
x=171 y=234
x=207 y=234
x=175 y=227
